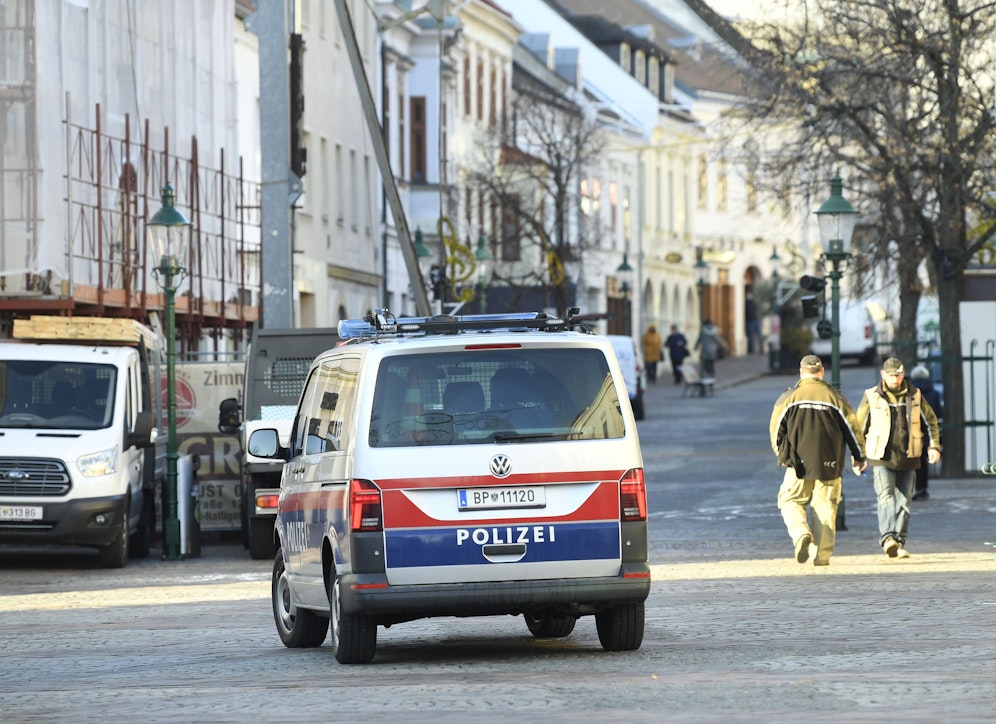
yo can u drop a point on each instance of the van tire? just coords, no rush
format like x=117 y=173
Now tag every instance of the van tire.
x=354 y=638
x=115 y=553
x=620 y=628
x=299 y=628
x=145 y=533
x=549 y=624
x=261 y=538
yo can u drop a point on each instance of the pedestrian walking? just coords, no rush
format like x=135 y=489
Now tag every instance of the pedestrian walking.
x=920 y=376
x=812 y=426
x=752 y=322
x=652 y=352
x=710 y=344
x=898 y=423
x=677 y=348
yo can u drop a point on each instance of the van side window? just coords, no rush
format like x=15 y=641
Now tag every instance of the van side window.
x=299 y=428
x=329 y=407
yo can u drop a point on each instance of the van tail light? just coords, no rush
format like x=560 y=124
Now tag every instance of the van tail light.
x=632 y=496
x=365 y=510
x=868 y=331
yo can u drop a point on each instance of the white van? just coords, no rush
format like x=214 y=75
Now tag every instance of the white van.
x=631 y=362
x=867 y=332
x=460 y=466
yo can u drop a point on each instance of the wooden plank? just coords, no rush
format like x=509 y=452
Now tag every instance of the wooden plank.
x=99 y=330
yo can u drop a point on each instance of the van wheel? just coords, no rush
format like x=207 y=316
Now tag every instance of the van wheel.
x=260 y=538
x=145 y=534
x=299 y=628
x=549 y=624
x=115 y=553
x=354 y=638
x=620 y=628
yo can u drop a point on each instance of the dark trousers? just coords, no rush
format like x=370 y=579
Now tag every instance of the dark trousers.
x=676 y=368
x=922 y=475
x=651 y=372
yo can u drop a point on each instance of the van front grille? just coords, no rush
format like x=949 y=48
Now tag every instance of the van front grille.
x=33 y=477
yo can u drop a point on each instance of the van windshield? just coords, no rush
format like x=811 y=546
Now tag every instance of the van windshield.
x=56 y=395
x=494 y=396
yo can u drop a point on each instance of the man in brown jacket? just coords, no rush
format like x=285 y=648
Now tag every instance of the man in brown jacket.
x=898 y=423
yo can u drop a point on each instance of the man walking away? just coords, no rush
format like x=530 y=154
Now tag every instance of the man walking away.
x=812 y=425
x=920 y=376
x=677 y=347
x=897 y=423
x=708 y=342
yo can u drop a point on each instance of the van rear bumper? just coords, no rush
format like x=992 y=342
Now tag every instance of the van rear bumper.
x=72 y=522
x=370 y=594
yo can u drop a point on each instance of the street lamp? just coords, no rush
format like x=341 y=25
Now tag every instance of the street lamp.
x=423 y=255
x=167 y=235
x=701 y=279
x=625 y=272
x=837 y=219
x=483 y=256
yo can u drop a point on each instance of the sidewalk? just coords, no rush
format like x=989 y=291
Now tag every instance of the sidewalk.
x=730 y=372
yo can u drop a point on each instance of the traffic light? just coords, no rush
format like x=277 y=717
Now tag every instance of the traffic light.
x=812 y=284
x=810 y=306
x=437 y=276
x=298 y=152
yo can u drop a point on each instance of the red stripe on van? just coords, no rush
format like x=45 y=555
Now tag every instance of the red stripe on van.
x=401 y=512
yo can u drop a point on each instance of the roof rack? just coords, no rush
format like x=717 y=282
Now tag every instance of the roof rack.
x=382 y=322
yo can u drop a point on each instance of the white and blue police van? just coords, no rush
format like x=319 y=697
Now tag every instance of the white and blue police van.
x=478 y=465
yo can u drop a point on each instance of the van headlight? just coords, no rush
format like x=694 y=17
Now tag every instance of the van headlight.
x=104 y=462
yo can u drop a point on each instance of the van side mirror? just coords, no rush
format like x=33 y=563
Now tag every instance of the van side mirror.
x=145 y=425
x=228 y=416
x=265 y=443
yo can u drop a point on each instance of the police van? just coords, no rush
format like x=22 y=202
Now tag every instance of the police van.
x=460 y=466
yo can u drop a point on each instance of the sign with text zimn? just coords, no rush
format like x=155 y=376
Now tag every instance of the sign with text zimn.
x=200 y=388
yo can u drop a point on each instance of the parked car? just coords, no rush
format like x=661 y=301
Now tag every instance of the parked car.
x=459 y=466
x=867 y=333
x=634 y=373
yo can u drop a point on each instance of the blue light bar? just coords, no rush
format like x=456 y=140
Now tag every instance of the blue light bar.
x=382 y=322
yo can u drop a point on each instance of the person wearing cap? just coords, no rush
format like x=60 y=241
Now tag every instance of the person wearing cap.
x=898 y=423
x=812 y=426
x=652 y=346
x=920 y=376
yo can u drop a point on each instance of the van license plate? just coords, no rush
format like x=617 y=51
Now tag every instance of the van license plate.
x=20 y=512
x=492 y=498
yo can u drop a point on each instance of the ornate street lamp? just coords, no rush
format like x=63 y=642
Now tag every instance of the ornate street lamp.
x=701 y=279
x=483 y=257
x=625 y=272
x=167 y=234
x=837 y=219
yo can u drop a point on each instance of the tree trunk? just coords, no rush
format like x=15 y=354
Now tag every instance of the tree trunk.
x=953 y=432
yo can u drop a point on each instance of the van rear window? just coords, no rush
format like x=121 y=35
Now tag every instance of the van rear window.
x=494 y=396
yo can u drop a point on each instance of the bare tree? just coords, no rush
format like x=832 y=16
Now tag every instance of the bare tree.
x=531 y=169
x=898 y=95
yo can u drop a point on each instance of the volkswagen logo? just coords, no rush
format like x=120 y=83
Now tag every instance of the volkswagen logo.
x=501 y=466
x=16 y=475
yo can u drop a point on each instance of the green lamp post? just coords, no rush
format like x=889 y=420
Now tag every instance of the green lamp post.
x=483 y=257
x=167 y=233
x=837 y=219
x=625 y=272
x=774 y=344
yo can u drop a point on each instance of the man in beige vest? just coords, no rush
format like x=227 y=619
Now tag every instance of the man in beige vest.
x=898 y=424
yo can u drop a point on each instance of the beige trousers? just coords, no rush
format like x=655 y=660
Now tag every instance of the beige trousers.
x=823 y=496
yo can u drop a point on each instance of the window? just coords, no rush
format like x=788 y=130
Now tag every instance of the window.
x=625 y=57
x=354 y=190
x=492 y=97
x=339 y=199
x=627 y=217
x=703 y=181
x=324 y=422
x=613 y=206
x=401 y=133
x=418 y=149
x=721 y=187
x=654 y=77
x=585 y=197
x=565 y=394
x=386 y=130
x=480 y=89
x=640 y=69
x=751 y=190
x=466 y=85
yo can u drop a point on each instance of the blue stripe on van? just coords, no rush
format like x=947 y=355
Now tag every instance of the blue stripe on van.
x=545 y=542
